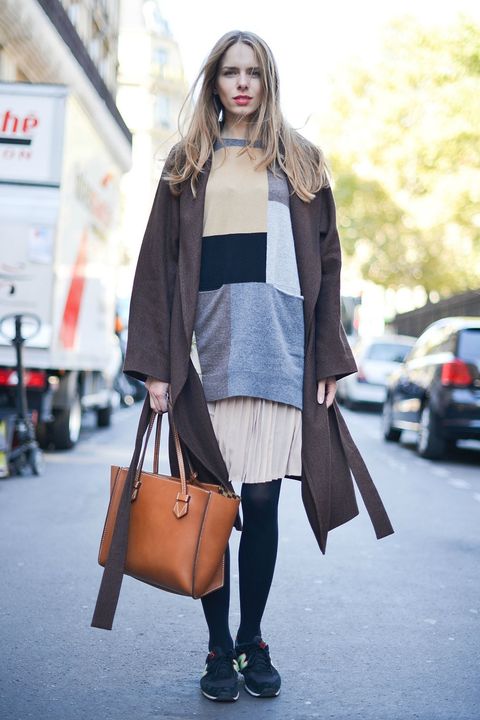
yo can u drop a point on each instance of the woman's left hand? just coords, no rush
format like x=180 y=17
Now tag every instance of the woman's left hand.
x=326 y=389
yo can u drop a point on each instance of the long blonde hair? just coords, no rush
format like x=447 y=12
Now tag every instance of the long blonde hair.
x=284 y=147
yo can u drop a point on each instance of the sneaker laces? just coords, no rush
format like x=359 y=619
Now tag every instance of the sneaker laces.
x=220 y=666
x=260 y=655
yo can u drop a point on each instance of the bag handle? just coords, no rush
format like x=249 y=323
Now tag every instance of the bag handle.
x=181 y=505
x=156 y=453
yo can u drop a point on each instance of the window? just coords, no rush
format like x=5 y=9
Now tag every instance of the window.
x=162 y=111
x=387 y=352
x=160 y=56
x=469 y=344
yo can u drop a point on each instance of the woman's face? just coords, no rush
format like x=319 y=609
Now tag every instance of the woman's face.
x=238 y=82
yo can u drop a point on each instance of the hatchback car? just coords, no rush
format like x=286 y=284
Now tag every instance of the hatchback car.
x=377 y=358
x=436 y=392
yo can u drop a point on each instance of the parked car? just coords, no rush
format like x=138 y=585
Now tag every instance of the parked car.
x=436 y=392
x=377 y=358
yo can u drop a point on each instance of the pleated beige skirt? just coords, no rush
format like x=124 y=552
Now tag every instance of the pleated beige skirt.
x=260 y=440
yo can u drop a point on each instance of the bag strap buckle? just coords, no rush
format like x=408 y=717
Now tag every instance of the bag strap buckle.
x=181 y=506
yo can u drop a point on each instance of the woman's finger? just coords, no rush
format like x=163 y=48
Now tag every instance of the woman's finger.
x=154 y=403
x=331 y=391
x=163 y=403
x=321 y=391
x=160 y=401
x=158 y=392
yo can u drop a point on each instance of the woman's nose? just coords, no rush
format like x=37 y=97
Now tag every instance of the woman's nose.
x=243 y=80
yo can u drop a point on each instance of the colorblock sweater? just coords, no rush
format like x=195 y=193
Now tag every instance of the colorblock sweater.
x=249 y=328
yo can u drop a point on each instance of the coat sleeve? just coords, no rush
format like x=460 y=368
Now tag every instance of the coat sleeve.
x=148 y=343
x=333 y=355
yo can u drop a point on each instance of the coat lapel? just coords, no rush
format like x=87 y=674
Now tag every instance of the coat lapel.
x=307 y=250
x=190 y=253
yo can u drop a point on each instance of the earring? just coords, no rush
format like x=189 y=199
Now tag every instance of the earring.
x=218 y=105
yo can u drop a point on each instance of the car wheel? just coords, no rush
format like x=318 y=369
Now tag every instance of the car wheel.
x=390 y=434
x=430 y=444
x=67 y=424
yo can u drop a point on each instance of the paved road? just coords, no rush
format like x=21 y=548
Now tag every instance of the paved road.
x=373 y=630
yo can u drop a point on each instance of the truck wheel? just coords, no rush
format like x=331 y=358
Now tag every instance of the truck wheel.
x=104 y=416
x=67 y=424
x=430 y=443
x=390 y=434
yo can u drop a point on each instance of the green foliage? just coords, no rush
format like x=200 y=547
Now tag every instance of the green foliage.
x=406 y=161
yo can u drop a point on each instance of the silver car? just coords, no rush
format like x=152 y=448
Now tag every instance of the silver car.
x=376 y=359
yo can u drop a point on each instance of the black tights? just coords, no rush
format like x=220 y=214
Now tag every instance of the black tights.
x=256 y=563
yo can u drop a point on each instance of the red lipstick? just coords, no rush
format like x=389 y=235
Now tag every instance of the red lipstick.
x=242 y=99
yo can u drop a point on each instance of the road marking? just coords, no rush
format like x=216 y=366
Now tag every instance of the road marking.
x=440 y=471
x=396 y=464
x=459 y=483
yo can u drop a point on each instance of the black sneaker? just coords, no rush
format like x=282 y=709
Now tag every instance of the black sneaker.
x=261 y=677
x=220 y=678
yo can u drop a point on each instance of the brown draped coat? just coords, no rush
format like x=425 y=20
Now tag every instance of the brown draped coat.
x=161 y=323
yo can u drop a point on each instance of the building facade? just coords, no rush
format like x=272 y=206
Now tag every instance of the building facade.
x=151 y=91
x=74 y=44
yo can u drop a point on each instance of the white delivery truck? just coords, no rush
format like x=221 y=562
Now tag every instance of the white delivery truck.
x=58 y=196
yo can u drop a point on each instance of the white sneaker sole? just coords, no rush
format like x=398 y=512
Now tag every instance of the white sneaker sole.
x=262 y=694
x=221 y=699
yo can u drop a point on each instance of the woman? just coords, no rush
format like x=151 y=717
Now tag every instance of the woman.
x=235 y=317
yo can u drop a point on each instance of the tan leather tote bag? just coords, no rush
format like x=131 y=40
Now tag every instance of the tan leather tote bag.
x=176 y=529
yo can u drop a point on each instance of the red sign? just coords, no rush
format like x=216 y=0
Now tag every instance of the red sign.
x=12 y=124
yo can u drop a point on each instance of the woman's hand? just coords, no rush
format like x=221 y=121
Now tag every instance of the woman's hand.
x=328 y=388
x=158 y=392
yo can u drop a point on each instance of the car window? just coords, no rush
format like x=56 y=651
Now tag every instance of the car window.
x=469 y=344
x=389 y=352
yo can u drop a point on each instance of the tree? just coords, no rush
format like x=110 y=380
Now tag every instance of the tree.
x=406 y=164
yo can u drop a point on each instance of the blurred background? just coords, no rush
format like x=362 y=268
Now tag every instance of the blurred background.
x=89 y=98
